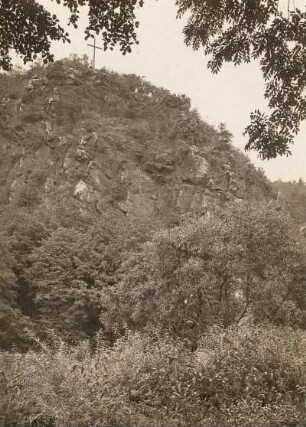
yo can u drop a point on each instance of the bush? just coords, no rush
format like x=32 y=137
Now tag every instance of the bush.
x=269 y=375
x=243 y=375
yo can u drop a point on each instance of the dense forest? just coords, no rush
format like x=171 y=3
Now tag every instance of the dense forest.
x=150 y=274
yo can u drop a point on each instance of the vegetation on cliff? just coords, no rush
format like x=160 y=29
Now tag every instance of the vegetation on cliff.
x=227 y=31
x=143 y=258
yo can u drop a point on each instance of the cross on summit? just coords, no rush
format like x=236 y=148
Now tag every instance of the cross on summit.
x=93 y=62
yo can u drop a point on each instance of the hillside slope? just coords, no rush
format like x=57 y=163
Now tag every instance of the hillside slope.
x=122 y=333
x=110 y=144
x=108 y=156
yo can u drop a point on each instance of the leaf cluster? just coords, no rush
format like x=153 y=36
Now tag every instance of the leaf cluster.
x=238 y=32
x=28 y=28
x=237 y=263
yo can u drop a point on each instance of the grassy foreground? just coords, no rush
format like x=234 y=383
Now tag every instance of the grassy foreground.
x=248 y=375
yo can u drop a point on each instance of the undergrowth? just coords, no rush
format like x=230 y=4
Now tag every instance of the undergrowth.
x=247 y=375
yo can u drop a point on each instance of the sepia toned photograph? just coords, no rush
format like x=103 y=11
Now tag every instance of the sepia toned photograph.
x=152 y=213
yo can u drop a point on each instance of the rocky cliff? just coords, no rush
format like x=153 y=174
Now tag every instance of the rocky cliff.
x=91 y=162
x=109 y=146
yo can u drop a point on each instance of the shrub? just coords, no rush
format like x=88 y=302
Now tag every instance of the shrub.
x=269 y=361
x=243 y=375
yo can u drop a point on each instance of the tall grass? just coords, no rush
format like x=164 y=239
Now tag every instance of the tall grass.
x=246 y=375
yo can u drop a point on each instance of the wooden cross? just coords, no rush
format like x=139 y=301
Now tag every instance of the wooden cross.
x=94 y=52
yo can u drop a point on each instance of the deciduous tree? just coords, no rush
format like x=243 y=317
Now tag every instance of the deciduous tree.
x=67 y=273
x=13 y=322
x=29 y=28
x=241 y=31
x=240 y=262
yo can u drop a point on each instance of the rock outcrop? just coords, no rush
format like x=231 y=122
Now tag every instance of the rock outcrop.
x=105 y=145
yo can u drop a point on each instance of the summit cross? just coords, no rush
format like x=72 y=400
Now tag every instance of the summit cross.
x=95 y=47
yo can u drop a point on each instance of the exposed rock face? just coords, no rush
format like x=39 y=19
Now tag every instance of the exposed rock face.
x=102 y=144
x=81 y=191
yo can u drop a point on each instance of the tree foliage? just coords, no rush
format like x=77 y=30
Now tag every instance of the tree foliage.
x=240 y=31
x=238 y=263
x=13 y=322
x=67 y=272
x=228 y=30
x=29 y=28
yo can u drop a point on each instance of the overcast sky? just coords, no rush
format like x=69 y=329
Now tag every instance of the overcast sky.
x=164 y=60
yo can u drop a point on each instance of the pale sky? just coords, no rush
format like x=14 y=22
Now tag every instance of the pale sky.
x=164 y=60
